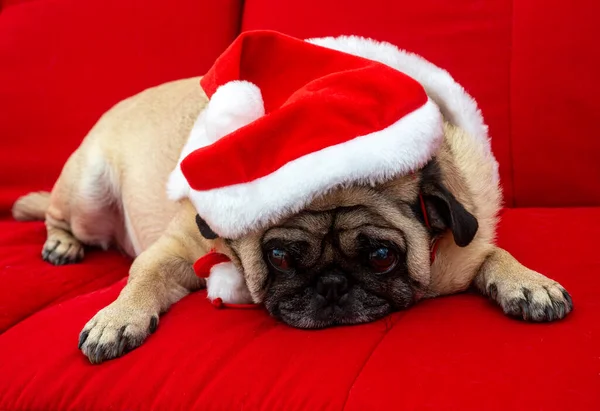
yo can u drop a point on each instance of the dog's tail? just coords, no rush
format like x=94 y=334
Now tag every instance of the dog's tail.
x=32 y=206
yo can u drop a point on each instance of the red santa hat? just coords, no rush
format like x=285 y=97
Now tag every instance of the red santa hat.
x=289 y=120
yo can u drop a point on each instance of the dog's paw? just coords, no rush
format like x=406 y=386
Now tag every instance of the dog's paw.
x=114 y=331
x=532 y=298
x=63 y=249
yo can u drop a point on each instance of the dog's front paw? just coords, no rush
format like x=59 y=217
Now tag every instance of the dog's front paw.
x=114 y=331
x=533 y=297
x=521 y=292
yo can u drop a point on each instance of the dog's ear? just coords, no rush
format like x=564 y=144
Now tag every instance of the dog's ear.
x=205 y=230
x=444 y=211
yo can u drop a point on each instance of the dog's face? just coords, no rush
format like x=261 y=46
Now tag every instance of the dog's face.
x=345 y=265
x=352 y=256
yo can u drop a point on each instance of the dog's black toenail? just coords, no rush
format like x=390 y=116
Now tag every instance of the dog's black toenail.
x=49 y=251
x=559 y=308
x=153 y=324
x=525 y=312
x=550 y=314
x=121 y=341
x=109 y=350
x=492 y=291
x=526 y=293
x=98 y=353
x=131 y=342
x=567 y=297
x=46 y=253
x=513 y=308
x=91 y=349
x=82 y=337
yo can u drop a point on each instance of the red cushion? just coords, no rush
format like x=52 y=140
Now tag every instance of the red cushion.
x=469 y=39
x=458 y=352
x=65 y=62
x=29 y=284
x=531 y=65
x=555 y=104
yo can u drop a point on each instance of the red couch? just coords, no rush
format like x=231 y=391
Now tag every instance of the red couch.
x=533 y=66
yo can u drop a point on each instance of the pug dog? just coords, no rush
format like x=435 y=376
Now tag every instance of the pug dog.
x=353 y=255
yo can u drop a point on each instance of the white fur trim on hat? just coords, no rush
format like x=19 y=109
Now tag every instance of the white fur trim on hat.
x=374 y=158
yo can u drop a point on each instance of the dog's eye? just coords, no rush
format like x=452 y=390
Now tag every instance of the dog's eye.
x=382 y=260
x=280 y=259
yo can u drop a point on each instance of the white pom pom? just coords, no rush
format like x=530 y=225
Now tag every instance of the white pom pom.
x=227 y=283
x=233 y=105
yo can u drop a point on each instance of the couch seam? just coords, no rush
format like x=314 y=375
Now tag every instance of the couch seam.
x=4 y=6
x=510 y=111
x=366 y=361
x=241 y=16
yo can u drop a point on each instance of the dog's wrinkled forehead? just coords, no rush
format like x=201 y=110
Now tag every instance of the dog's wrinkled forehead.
x=319 y=223
x=346 y=209
x=402 y=188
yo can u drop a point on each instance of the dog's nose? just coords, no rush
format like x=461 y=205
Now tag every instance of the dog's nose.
x=332 y=286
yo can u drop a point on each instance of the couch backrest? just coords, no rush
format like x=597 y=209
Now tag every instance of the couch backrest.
x=65 y=62
x=531 y=64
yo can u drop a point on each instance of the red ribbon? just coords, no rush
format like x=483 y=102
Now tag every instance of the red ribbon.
x=434 y=245
x=203 y=265
x=218 y=303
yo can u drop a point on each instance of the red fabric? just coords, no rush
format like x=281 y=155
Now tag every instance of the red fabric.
x=297 y=81
x=203 y=265
x=218 y=303
x=28 y=284
x=458 y=352
x=555 y=103
x=65 y=62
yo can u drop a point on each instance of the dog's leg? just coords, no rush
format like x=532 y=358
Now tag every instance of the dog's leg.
x=84 y=206
x=521 y=292
x=61 y=246
x=159 y=277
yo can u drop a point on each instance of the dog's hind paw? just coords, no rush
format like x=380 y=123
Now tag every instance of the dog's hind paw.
x=62 y=249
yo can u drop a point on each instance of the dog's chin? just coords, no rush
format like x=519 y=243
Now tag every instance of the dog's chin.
x=306 y=309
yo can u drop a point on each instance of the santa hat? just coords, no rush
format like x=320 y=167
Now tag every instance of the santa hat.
x=289 y=120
